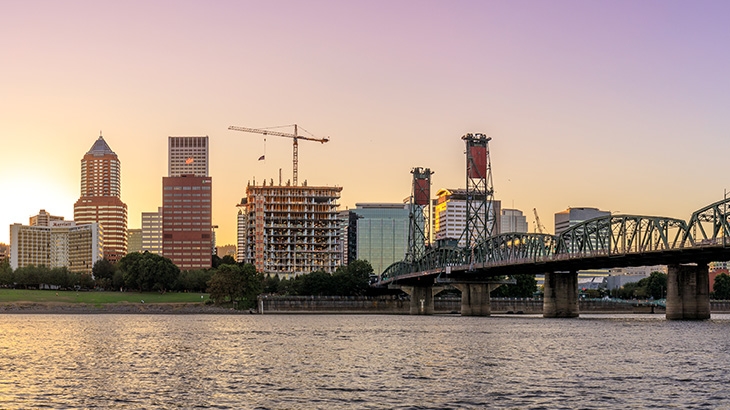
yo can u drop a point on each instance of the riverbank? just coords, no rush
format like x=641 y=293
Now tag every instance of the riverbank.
x=115 y=308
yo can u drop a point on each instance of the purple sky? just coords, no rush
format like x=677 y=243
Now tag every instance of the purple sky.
x=620 y=105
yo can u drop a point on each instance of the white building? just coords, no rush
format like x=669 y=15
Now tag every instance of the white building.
x=449 y=216
x=187 y=156
x=513 y=220
x=61 y=244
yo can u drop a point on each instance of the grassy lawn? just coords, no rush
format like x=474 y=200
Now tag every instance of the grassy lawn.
x=93 y=297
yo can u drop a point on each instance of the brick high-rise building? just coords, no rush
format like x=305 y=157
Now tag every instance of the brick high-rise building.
x=187 y=233
x=186 y=221
x=100 y=200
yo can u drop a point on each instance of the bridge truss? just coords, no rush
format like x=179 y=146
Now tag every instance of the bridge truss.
x=615 y=240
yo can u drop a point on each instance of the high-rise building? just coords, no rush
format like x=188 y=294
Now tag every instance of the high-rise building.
x=449 y=216
x=60 y=244
x=186 y=221
x=100 y=200
x=513 y=221
x=570 y=217
x=382 y=233
x=43 y=219
x=187 y=230
x=291 y=230
x=152 y=232
x=134 y=240
x=187 y=156
x=241 y=234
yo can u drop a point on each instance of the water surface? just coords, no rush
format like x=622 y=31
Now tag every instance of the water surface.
x=362 y=362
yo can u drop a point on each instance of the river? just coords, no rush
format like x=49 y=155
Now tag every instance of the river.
x=362 y=362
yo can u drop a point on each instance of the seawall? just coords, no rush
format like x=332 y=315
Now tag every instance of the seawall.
x=272 y=304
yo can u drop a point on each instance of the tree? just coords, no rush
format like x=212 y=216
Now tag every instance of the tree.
x=352 y=280
x=316 y=283
x=235 y=284
x=525 y=287
x=194 y=280
x=103 y=269
x=148 y=271
x=271 y=284
x=655 y=284
x=722 y=287
x=6 y=273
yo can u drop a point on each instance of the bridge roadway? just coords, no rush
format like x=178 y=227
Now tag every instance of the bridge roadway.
x=607 y=242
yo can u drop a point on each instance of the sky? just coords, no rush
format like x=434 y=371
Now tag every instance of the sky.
x=619 y=105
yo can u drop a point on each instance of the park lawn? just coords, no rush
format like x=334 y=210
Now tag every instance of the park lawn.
x=94 y=297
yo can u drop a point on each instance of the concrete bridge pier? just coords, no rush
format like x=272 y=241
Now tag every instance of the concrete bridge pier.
x=475 y=300
x=561 y=294
x=688 y=292
x=421 y=299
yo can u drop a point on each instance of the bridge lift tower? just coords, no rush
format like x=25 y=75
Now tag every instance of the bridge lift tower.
x=419 y=214
x=481 y=216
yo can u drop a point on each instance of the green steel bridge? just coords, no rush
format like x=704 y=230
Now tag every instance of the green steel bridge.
x=606 y=242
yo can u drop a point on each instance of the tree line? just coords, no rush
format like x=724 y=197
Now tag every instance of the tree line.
x=655 y=286
x=227 y=282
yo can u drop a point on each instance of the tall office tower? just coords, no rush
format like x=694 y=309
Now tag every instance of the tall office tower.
x=43 y=219
x=60 y=244
x=152 y=232
x=382 y=233
x=449 y=217
x=187 y=230
x=513 y=221
x=100 y=200
x=291 y=230
x=187 y=156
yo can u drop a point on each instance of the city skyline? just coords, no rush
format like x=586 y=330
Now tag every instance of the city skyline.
x=616 y=105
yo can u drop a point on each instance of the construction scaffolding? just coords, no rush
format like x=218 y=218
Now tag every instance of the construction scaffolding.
x=291 y=230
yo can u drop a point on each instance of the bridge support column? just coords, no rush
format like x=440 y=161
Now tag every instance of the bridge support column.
x=688 y=292
x=561 y=294
x=475 y=299
x=421 y=299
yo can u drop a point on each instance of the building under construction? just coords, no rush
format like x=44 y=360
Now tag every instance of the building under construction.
x=289 y=230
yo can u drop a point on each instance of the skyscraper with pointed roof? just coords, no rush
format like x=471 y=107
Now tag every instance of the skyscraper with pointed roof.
x=100 y=198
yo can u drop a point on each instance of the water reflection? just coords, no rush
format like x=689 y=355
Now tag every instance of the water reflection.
x=298 y=361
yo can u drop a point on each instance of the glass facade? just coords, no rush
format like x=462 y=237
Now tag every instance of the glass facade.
x=382 y=234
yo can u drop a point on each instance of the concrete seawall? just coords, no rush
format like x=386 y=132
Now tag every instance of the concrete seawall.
x=394 y=305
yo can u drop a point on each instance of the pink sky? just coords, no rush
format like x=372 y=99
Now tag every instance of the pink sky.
x=620 y=105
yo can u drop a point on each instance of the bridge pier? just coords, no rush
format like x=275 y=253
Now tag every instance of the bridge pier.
x=475 y=300
x=561 y=295
x=688 y=292
x=421 y=299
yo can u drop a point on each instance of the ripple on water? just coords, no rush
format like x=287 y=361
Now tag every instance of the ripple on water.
x=369 y=362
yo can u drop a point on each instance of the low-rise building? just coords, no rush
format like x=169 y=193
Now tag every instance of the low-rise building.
x=61 y=244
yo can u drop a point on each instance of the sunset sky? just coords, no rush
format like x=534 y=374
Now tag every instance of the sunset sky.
x=620 y=105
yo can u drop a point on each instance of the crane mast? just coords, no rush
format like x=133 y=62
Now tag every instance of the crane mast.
x=296 y=137
x=540 y=228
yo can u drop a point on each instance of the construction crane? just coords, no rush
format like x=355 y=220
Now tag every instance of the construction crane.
x=540 y=228
x=296 y=137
